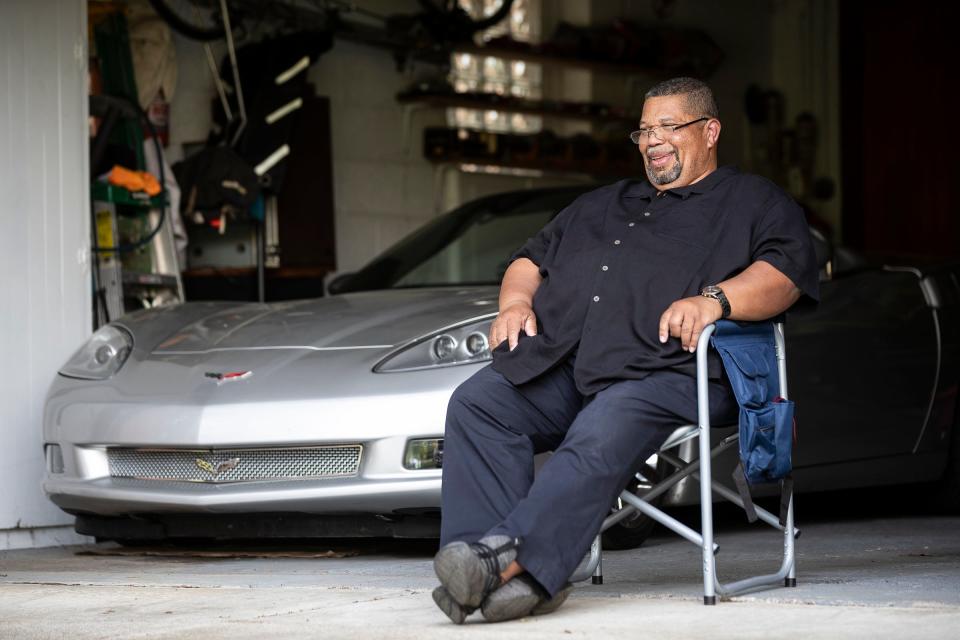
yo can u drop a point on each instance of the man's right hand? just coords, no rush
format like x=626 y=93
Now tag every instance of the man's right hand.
x=515 y=317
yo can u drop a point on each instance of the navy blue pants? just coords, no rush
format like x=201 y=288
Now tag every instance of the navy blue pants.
x=494 y=428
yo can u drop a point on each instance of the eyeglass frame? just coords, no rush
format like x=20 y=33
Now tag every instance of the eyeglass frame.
x=663 y=127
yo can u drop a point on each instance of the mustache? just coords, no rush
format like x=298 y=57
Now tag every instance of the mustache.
x=657 y=151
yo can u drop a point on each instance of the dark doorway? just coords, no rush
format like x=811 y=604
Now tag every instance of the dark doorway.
x=901 y=134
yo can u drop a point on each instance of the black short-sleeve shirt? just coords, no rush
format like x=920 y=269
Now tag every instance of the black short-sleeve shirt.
x=618 y=256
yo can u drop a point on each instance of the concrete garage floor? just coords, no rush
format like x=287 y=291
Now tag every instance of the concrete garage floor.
x=859 y=577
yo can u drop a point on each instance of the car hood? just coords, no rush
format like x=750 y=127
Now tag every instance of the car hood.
x=357 y=320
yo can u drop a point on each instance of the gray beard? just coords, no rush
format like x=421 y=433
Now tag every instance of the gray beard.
x=666 y=177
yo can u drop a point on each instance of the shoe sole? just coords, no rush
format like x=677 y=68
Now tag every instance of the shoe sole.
x=449 y=606
x=461 y=573
x=551 y=605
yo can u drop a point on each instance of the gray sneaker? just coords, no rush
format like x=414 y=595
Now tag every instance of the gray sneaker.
x=516 y=599
x=471 y=572
x=549 y=605
x=520 y=597
x=449 y=606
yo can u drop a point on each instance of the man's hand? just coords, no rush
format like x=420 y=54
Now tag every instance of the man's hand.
x=686 y=318
x=513 y=318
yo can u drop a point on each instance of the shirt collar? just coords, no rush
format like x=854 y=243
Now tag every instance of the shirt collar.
x=646 y=190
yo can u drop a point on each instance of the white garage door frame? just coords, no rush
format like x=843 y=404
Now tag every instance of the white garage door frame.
x=45 y=297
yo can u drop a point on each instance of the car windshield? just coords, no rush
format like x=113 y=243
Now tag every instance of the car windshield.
x=470 y=245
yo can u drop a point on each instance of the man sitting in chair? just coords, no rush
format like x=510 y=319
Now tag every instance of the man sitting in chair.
x=600 y=314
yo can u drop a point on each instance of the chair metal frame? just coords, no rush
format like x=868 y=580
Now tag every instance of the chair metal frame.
x=701 y=469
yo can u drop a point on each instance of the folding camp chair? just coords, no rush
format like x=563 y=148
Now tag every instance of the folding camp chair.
x=701 y=469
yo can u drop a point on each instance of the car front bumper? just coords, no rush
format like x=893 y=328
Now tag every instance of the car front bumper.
x=85 y=422
x=359 y=494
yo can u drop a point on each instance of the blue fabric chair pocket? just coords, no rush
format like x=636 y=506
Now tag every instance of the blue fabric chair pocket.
x=752 y=361
x=765 y=441
x=749 y=357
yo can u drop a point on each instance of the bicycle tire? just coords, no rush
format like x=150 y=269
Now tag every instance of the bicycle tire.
x=183 y=25
x=446 y=9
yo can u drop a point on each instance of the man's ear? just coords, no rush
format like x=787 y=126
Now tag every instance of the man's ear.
x=713 y=133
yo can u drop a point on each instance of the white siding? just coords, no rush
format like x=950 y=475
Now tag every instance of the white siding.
x=44 y=242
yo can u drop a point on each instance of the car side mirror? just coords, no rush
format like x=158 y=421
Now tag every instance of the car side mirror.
x=335 y=284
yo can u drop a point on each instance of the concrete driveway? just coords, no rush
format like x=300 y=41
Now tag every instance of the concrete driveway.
x=859 y=577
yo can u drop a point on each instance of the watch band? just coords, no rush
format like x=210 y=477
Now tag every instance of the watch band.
x=715 y=292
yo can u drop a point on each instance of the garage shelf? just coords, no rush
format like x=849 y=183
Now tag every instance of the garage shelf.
x=106 y=192
x=511 y=104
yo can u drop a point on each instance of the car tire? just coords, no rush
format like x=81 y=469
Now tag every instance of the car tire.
x=132 y=543
x=633 y=531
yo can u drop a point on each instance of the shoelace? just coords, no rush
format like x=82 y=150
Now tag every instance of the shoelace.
x=488 y=556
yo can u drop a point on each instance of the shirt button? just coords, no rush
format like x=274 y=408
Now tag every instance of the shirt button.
x=596 y=298
x=604 y=267
x=646 y=214
x=616 y=242
x=632 y=224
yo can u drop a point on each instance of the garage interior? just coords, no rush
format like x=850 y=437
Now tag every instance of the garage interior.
x=114 y=125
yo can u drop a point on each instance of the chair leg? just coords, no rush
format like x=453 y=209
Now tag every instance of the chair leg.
x=598 y=572
x=706 y=490
x=709 y=561
x=789 y=543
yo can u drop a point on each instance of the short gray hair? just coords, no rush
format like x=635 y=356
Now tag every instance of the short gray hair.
x=699 y=97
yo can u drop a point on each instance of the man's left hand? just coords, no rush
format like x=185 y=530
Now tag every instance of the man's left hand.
x=686 y=318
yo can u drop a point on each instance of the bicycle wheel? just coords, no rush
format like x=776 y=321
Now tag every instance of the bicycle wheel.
x=195 y=19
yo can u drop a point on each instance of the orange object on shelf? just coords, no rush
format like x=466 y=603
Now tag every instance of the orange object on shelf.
x=134 y=180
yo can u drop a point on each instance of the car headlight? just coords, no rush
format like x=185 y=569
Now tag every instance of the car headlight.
x=102 y=355
x=460 y=344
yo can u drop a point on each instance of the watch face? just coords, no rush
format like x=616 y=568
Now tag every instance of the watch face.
x=711 y=290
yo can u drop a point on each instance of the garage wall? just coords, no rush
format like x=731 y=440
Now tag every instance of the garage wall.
x=44 y=241
x=382 y=185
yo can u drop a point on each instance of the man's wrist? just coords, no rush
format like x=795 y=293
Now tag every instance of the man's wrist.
x=715 y=304
x=716 y=293
x=515 y=301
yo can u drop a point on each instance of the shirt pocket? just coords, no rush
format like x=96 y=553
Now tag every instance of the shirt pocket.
x=679 y=240
x=675 y=261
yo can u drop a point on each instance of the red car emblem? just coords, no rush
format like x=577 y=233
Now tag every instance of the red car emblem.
x=227 y=377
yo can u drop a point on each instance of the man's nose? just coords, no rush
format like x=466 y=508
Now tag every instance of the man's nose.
x=657 y=133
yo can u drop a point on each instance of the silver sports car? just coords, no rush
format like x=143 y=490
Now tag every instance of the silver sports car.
x=325 y=417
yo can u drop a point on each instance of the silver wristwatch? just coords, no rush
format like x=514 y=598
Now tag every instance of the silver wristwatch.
x=715 y=292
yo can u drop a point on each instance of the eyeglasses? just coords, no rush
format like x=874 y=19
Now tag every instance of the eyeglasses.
x=661 y=131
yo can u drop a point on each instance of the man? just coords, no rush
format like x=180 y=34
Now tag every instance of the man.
x=599 y=316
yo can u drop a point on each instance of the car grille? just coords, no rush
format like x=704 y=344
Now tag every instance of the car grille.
x=235 y=465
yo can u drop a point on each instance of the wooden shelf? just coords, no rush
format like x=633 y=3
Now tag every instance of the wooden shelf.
x=441 y=56
x=566 y=110
x=528 y=54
